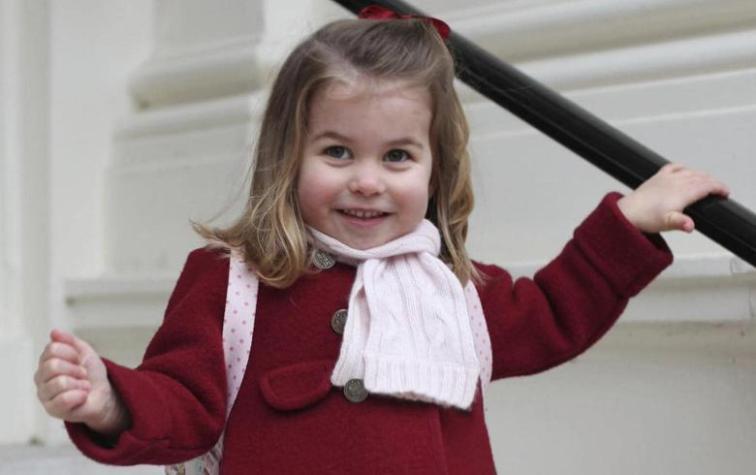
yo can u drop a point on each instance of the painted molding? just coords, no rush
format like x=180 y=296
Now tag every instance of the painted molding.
x=117 y=302
x=567 y=45
x=682 y=57
x=78 y=291
x=223 y=69
x=190 y=117
x=694 y=289
x=717 y=267
x=623 y=67
x=521 y=31
x=723 y=286
x=669 y=99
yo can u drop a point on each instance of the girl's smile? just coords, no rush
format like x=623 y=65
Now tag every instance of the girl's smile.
x=367 y=162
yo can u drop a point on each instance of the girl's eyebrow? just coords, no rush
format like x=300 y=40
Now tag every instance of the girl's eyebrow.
x=329 y=134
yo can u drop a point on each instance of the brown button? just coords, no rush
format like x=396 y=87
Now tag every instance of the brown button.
x=323 y=260
x=355 y=391
x=338 y=320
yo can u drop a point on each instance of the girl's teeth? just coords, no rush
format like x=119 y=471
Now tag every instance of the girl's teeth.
x=362 y=214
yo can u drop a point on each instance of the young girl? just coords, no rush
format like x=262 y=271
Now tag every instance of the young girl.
x=373 y=328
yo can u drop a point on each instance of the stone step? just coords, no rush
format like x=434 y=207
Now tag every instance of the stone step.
x=65 y=460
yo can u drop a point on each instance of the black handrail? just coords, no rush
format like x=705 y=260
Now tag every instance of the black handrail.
x=728 y=223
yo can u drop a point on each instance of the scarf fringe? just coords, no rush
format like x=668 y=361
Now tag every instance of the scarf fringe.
x=445 y=384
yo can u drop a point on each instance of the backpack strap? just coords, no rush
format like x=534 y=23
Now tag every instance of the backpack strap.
x=238 y=325
x=480 y=334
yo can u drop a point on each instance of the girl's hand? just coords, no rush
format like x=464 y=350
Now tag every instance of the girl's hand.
x=72 y=385
x=657 y=204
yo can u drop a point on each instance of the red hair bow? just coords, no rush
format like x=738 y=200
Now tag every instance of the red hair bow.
x=377 y=12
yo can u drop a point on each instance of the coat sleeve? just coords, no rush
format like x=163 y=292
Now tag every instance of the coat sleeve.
x=535 y=324
x=177 y=396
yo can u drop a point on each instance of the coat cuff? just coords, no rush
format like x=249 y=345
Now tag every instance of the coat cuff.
x=628 y=258
x=145 y=434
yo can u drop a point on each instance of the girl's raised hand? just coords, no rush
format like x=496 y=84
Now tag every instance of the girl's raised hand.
x=72 y=385
x=657 y=204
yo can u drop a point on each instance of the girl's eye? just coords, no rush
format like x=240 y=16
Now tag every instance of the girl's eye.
x=337 y=152
x=397 y=156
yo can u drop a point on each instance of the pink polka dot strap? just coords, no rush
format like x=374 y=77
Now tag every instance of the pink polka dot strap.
x=480 y=334
x=238 y=325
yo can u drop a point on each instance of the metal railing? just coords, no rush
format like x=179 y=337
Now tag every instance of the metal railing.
x=721 y=219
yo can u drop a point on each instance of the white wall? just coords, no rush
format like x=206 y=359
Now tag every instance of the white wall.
x=23 y=201
x=94 y=47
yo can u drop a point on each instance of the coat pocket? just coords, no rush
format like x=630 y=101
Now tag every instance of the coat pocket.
x=297 y=386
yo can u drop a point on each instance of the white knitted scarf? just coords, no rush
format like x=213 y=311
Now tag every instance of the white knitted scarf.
x=408 y=333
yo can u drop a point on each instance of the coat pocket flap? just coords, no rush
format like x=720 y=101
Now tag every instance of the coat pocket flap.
x=297 y=386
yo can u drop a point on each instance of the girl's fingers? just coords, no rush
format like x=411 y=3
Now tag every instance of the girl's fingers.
x=700 y=190
x=695 y=188
x=58 y=367
x=61 y=336
x=697 y=177
x=60 y=384
x=61 y=405
x=676 y=220
x=79 y=345
x=60 y=350
x=674 y=167
x=720 y=188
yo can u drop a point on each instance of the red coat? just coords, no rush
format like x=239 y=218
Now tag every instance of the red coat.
x=288 y=419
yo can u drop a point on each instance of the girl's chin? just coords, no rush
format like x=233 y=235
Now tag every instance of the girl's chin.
x=367 y=241
x=360 y=233
x=364 y=237
x=365 y=244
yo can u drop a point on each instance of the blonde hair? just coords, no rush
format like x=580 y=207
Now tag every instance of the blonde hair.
x=271 y=231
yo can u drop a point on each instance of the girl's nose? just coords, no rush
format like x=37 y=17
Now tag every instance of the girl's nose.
x=367 y=181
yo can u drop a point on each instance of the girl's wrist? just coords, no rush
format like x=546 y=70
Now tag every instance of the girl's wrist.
x=626 y=208
x=116 y=417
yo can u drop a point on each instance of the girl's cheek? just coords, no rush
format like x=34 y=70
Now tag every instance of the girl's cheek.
x=313 y=203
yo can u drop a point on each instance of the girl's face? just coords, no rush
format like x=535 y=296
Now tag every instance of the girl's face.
x=365 y=174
